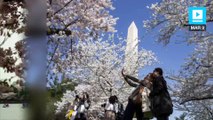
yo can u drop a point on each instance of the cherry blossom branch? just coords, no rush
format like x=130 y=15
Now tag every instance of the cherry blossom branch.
x=5 y=38
x=62 y=7
x=51 y=31
x=209 y=97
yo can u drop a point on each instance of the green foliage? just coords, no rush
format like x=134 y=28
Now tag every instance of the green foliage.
x=51 y=108
x=54 y=94
x=57 y=88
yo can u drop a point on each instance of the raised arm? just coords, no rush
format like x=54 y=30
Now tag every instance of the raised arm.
x=133 y=79
x=134 y=83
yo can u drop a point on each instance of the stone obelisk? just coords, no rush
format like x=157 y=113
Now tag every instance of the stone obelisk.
x=131 y=52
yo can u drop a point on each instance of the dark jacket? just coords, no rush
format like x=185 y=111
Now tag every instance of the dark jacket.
x=161 y=103
x=134 y=82
x=159 y=86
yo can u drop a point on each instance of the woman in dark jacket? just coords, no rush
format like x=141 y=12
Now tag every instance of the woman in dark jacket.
x=160 y=99
x=132 y=107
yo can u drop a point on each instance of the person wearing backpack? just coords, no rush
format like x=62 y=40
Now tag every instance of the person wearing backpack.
x=110 y=109
x=119 y=109
x=134 y=100
x=144 y=88
x=83 y=106
x=161 y=103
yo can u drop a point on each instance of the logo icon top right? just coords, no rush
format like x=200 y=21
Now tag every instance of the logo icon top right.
x=197 y=15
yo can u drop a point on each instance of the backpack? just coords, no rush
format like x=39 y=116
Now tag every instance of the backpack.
x=120 y=107
x=120 y=112
x=162 y=104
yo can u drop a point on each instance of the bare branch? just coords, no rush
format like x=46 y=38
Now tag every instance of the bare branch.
x=62 y=7
x=210 y=97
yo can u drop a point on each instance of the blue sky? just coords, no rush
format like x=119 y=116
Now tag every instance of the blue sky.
x=171 y=57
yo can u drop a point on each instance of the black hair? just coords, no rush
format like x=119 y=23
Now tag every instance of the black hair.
x=77 y=97
x=159 y=70
x=116 y=98
x=112 y=99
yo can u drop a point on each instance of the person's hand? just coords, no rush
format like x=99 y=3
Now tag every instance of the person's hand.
x=122 y=72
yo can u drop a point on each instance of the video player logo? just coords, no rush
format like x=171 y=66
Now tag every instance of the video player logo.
x=197 y=15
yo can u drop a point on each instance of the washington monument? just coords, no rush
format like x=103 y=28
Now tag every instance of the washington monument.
x=131 y=52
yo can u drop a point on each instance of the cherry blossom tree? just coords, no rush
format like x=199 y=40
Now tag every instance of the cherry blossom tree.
x=172 y=16
x=12 y=18
x=96 y=67
x=193 y=84
x=12 y=55
x=70 y=21
x=12 y=22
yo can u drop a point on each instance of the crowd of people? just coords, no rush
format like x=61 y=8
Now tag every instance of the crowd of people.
x=149 y=99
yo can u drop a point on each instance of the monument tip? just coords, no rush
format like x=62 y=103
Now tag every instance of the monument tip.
x=132 y=25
